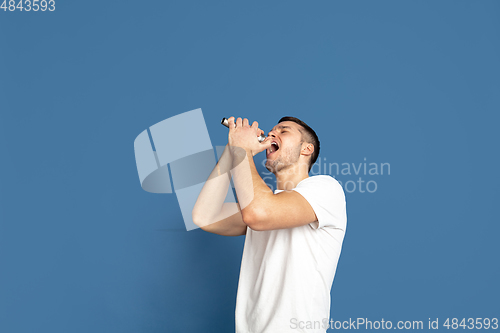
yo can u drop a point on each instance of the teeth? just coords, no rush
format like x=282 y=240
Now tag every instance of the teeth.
x=276 y=147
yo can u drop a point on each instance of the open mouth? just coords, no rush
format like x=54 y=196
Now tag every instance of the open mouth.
x=274 y=147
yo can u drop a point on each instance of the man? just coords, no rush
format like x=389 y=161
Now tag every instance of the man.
x=293 y=236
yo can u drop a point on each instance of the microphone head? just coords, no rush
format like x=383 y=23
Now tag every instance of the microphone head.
x=225 y=122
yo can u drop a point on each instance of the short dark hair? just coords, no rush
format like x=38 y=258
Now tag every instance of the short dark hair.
x=308 y=135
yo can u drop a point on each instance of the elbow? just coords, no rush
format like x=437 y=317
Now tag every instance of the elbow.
x=202 y=220
x=198 y=219
x=253 y=218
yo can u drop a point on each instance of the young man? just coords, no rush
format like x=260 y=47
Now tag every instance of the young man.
x=293 y=236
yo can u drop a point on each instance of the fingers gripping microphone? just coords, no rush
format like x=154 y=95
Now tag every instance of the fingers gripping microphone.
x=226 y=123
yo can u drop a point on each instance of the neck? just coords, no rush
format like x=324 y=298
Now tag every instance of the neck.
x=288 y=178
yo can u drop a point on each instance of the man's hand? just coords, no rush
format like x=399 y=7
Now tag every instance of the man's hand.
x=244 y=136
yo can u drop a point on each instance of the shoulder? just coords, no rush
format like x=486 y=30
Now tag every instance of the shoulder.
x=321 y=186
x=326 y=196
x=320 y=180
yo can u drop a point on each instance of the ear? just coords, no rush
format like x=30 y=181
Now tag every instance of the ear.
x=307 y=149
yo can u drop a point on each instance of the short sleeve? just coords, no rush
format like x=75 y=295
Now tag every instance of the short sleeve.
x=327 y=199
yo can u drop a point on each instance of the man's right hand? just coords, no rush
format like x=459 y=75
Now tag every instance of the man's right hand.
x=244 y=136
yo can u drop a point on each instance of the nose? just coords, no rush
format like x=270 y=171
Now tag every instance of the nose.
x=272 y=133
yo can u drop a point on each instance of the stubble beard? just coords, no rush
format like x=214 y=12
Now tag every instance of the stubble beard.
x=285 y=160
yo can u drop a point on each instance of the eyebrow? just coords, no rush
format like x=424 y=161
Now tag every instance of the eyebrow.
x=282 y=127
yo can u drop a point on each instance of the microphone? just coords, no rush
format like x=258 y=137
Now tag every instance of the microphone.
x=224 y=122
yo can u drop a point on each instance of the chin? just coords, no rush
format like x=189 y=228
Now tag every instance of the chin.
x=270 y=166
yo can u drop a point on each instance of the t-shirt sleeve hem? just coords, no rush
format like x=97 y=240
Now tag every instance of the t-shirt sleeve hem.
x=326 y=199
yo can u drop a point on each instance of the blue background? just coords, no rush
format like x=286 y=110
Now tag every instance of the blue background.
x=415 y=84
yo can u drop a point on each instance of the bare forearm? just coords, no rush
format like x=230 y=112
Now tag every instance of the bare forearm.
x=251 y=189
x=214 y=191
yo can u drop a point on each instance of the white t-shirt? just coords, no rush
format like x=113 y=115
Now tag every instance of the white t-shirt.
x=286 y=274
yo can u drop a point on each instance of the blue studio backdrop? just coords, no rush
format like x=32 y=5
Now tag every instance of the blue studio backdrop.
x=404 y=96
